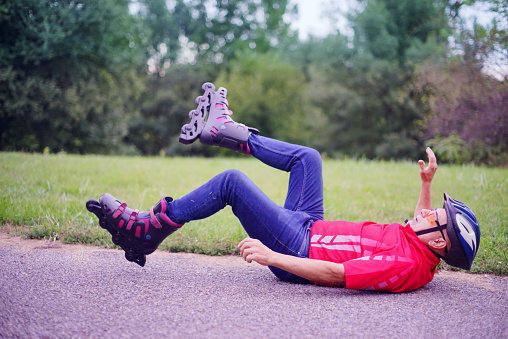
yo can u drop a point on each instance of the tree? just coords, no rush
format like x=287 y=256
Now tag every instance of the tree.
x=467 y=105
x=66 y=73
x=363 y=83
x=267 y=94
x=163 y=109
x=196 y=30
x=188 y=43
x=465 y=99
x=389 y=29
x=484 y=45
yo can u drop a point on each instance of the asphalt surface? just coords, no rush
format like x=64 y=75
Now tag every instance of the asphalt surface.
x=50 y=290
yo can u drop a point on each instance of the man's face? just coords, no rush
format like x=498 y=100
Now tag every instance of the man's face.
x=427 y=219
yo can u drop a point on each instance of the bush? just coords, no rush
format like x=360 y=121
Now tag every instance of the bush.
x=452 y=149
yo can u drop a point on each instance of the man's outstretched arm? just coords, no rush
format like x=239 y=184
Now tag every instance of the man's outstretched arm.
x=310 y=269
x=426 y=174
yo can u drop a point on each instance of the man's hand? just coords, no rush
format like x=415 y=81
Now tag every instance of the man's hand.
x=254 y=250
x=310 y=269
x=427 y=173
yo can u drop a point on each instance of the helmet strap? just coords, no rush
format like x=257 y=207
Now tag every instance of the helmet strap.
x=435 y=229
x=435 y=253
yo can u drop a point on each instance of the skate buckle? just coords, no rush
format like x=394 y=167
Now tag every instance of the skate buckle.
x=132 y=219
x=119 y=210
x=153 y=219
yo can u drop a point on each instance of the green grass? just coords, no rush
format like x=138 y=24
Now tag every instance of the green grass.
x=43 y=196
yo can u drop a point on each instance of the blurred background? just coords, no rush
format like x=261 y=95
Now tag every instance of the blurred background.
x=376 y=79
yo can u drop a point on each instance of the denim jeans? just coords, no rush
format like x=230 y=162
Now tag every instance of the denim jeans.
x=283 y=229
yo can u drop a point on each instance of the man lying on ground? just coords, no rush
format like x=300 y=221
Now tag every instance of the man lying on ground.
x=293 y=240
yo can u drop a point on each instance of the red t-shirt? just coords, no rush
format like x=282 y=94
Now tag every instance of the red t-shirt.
x=375 y=257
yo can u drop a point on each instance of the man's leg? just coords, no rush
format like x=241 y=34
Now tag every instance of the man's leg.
x=305 y=188
x=212 y=124
x=140 y=233
x=282 y=230
x=285 y=230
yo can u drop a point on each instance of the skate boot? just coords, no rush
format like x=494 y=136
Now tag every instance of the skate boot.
x=137 y=233
x=211 y=122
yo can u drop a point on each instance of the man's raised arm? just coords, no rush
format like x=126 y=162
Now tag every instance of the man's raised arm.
x=426 y=174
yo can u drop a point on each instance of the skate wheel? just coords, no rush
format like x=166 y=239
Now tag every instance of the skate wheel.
x=201 y=99
x=93 y=206
x=116 y=239
x=140 y=260
x=135 y=257
x=129 y=256
x=102 y=223
x=208 y=85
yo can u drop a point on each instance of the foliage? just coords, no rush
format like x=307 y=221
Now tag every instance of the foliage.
x=378 y=115
x=177 y=39
x=119 y=76
x=485 y=46
x=449 y=149
x=363 y=86
x=47 y=35
x=207 y=31
x=452 y=149
x=163 y=109
x=467 y=112
x=267 y=94
x=65 y=75
x=389 y=29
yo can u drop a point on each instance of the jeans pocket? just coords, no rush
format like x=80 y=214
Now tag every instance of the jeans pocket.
x=303 y=251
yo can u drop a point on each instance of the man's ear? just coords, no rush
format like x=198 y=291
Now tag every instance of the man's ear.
x=438 y=243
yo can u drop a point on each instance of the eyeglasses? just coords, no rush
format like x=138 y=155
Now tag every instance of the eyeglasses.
x=432 y=217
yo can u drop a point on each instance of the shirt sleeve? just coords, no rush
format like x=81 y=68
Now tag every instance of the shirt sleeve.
x=382 y=273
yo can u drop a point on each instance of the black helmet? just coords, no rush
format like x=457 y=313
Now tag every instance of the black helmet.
x=464 y=233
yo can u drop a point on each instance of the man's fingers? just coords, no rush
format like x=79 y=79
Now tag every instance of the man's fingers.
x=246 y=253
x=240 y=244
x=250 y=254
x=422 y=164
x=250 y=257
x=429 y=151
x=244 y=241
x=247 y=249
x=432 y=156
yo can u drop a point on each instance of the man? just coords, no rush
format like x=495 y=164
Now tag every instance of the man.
x=294 y=241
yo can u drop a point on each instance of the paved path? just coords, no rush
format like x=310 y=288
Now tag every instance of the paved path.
x=72 y=291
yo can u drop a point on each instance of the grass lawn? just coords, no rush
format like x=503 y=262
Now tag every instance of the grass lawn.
x=43 y=196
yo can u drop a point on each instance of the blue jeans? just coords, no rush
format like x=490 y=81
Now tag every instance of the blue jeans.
x=283 y=229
